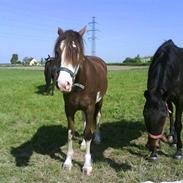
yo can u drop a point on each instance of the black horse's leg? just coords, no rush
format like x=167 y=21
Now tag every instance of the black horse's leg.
x=170 y=112
x=153 y=149
x=52 y=87
x=47 y=84
x=153 y=156
x=172 y=138
x=70 y=118
x=54 y=79
x=88 y=132
x=178 y=128
x=48 y=81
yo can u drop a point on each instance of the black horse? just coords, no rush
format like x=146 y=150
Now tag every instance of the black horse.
x=164 y=87
x=50 y=73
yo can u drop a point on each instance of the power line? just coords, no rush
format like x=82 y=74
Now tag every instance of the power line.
x=93 y=35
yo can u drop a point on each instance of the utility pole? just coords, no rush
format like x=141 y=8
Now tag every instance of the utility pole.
x=93 y=35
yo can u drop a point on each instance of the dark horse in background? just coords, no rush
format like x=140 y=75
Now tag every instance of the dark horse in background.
x=83 y=81
x=50 y=73
x=164 y=87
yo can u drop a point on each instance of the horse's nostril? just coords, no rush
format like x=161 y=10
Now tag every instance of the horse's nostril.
x=67 y=83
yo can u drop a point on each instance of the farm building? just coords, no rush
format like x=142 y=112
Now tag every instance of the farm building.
x=33 y=62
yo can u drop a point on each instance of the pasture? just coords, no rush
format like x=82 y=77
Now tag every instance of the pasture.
x=33 y=133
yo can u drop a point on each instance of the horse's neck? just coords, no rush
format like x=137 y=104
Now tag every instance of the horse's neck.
x=159 y=76
x=162 y=80
x=81 y=75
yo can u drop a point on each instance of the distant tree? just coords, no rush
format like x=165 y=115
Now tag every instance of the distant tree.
x=128 y=60
x=14 y=58
x=19 y=62
x=137 y=59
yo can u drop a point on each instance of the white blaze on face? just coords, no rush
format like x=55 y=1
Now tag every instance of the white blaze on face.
x=73 y=44
x=65 y=81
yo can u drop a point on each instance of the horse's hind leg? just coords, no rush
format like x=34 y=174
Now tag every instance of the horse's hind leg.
x=97 y=117
x=83 y=143
x=53 y=86
x=48 y=82
x=47 y=85
x=54 y=79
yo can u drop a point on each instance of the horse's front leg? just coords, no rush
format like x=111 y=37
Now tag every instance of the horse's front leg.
x=97 y=138
x=172 y=138
x=70 y=118
x=152 y=145
x=88 y=132
x=178 y=128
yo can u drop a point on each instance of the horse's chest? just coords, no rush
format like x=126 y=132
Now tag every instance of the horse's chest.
x=77 y=101
x=82 y=101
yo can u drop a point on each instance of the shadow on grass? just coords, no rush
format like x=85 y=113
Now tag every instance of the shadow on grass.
x=40 y=90
x=48 y=140
x=116 y=135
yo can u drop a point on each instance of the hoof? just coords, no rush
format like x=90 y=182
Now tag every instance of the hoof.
x=174 y=145
x=178 y=156
x=153 y=157
x=87 y=170
x=67 y=167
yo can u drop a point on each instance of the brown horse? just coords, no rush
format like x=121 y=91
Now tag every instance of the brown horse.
x=83 y=81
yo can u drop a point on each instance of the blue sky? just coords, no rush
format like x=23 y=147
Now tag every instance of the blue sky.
x=126 y=27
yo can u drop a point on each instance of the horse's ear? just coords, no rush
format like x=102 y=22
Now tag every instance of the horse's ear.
x=82 y=31
x=60 y=31
x=146 y=94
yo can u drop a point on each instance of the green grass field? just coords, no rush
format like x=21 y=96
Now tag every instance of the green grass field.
x=33 y=134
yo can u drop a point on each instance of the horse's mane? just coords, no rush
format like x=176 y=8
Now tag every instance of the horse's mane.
x=69 y=37
x=162 y=50
x=162 y=67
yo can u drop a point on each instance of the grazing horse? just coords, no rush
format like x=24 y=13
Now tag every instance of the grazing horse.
x=164 y=87
x=83 y=81
x=50 y=73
